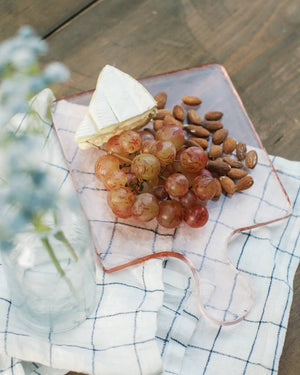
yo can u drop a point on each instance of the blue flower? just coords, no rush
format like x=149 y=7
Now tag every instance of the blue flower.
x=21 y=74
x=26 y=31
x=38 y=46
x=56 y=72
x=36 y=83
x=27 y=190
x=23 y=57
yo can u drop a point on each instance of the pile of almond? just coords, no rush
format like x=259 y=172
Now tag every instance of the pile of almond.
x=228 y=160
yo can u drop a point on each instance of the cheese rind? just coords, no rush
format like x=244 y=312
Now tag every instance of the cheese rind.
x=119 y=103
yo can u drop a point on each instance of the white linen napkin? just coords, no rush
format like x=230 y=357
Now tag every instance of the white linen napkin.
x=269 y=256
x=120 y=333
x=147 y=321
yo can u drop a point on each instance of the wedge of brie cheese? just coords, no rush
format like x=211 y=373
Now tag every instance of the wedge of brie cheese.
x=119 y=103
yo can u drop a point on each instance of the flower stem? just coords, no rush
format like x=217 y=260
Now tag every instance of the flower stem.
x=60 y=236
x=48 y=247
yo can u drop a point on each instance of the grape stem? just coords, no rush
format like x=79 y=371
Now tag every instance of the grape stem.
x=115 y=154
x=161 y=173
x=119 y=156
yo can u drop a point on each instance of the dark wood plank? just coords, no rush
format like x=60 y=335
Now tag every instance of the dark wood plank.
x=44 y=16
x=257 y=44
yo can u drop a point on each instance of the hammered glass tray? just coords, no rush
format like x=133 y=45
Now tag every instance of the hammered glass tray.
x=224 y=294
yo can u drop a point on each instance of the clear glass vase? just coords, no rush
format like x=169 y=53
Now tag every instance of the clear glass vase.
x=51 y=274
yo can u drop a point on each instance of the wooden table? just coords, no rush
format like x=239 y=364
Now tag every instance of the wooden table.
x=257 y=41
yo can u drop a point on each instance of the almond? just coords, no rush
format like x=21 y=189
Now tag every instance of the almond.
x=162 y=113
x=197 y=130
x=201 y=142
x=178 y=112
x=218 y=190
x=215 y=151
x=218 y=166
x=214 y=115
x=219 y=136
x=244 y=183
x=191 y=100
x=170 y=120
x=158 y=124
x=236 y=173
x=251 y=159
x=194 y=117
x=241 y=150
x=212 y=125
x=229 y=145
x=232 y=162
x=161 y=99
x=227 y=184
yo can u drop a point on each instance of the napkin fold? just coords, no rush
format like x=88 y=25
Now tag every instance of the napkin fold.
x=146 y=320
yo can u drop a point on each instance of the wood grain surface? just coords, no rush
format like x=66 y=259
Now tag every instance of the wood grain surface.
x=44 y=16
x=257 y=41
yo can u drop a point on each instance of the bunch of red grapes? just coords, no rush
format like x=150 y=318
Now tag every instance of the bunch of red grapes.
x=154 y=175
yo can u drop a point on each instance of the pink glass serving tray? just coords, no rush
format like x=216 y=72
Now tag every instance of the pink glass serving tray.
x=225 y=295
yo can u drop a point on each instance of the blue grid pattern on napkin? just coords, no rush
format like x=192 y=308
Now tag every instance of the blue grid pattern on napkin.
x=96 y=337
x=254 y=346
x=119 y=240
x=10 y=366
x=204 y=353
x=125 y=306
x=235 y=350
x=216 y=221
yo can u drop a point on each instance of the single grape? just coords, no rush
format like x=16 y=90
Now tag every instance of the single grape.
x=120 y=201
x=145 y=135
x=113 y=145
x=193 y=159
x=145 y=166
x=160 y=192
x=165 y=151
x=145 y=207
x=130 y=141
x=172 y=133
x=104 y=164
x=177 y=185
x=204 y=187
x=205 y=171
x=188 y=200
x=115 y=179
x=146 y=146
x=170 y=213
x=191 y=176
x=196 y=216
